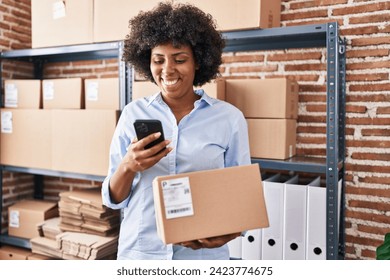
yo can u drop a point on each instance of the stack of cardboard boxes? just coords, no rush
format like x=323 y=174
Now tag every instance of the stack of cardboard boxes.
x=54 y=229
x=270 y=107
x=56 y=23
x=53 y=243
x=83 y=211
x=50 y=129
x=85 y=229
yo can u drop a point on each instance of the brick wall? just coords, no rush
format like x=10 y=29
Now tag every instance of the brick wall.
x=365 y=25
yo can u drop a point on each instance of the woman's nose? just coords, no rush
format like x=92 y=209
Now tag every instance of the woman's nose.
x=168 y=67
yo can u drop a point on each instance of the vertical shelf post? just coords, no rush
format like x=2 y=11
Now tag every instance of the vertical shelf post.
x=332 y=141
x=342 y=116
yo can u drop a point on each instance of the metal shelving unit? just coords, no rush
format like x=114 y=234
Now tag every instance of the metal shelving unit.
x=310 y=36
x=307 y=36
x=39 y=57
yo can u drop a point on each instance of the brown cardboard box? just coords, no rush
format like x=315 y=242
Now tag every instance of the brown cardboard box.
x=25 y=215
x=102 y=93
x=26 y=138
x=57 y=23
x=114 y=25
x=209 y=203
x=142 y=89
x=264 y=98
x=63 y=93
x=272 y=138
x=241 y=14
x=215 y=89
x=81 y=140
x=14 y=253
x=24 y=94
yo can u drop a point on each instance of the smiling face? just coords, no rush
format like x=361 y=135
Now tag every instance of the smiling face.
x=173 y=70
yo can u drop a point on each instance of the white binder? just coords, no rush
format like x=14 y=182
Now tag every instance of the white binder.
x=316 y=221
x=251 y=245
x=272 y=237
x=235 y=248
x=340 y=186
x=294 y=228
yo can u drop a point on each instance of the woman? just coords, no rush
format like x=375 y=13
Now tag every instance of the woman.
x=177 y=47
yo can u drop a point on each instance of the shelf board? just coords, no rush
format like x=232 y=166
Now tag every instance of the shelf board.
x=297 y=164
x=15 y=241
x=65 y=53
x=305 y=36
x=53 y=173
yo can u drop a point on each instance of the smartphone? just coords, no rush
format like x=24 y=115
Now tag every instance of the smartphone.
x=144 y=128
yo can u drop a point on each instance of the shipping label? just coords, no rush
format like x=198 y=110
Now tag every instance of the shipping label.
x=177 y=198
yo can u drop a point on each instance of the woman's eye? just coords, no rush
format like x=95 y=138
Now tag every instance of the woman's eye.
x=158 y=61
x=180 y=61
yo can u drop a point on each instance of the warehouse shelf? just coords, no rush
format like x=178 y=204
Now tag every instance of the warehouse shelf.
x=296 y=164
x=15 y=241
x=306 y=36
x=39 y=57
x=312 y=36
x=52 y=173
x=65 y=53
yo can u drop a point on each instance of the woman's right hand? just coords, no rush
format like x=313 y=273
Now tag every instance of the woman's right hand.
x=138 y=158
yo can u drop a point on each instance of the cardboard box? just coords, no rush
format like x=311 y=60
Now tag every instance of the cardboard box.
x=25 y=215
x=272 y=138
x=63 y=93
x=102 y=93
x=14 y=253
x=114 y=25
x=81 y=140
x=24 y=94
x=26 y=138
x=215 y=89
x=209 y=203
x=264 y=98
x=241 y=14
x=142 y=89
x=58 y=23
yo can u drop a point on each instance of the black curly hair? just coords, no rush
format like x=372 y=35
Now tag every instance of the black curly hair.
x=179 y=24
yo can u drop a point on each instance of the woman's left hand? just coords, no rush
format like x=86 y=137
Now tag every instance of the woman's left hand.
x=211 y=242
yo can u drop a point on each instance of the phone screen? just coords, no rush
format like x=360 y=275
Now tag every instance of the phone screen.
x=144 y=128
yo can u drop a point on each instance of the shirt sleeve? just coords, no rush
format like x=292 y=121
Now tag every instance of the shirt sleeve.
x=118 y=149
x=238 y=152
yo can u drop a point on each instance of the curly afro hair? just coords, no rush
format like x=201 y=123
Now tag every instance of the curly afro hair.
x=179 y=24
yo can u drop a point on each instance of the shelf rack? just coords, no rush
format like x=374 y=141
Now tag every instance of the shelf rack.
x=311 y=36
x=39 y=57
x=305 y=36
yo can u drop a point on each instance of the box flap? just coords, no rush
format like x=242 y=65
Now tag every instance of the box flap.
x=35 y=205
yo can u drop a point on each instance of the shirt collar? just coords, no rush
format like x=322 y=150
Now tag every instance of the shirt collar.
x=204 y=97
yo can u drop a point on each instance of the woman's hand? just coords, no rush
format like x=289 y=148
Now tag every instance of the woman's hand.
x=212 y=242
x=138 y=159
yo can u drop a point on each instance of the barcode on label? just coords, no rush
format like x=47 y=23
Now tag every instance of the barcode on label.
x=174 y=211
x=177 y=198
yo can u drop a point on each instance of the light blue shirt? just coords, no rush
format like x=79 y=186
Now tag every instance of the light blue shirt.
x=213 y=135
